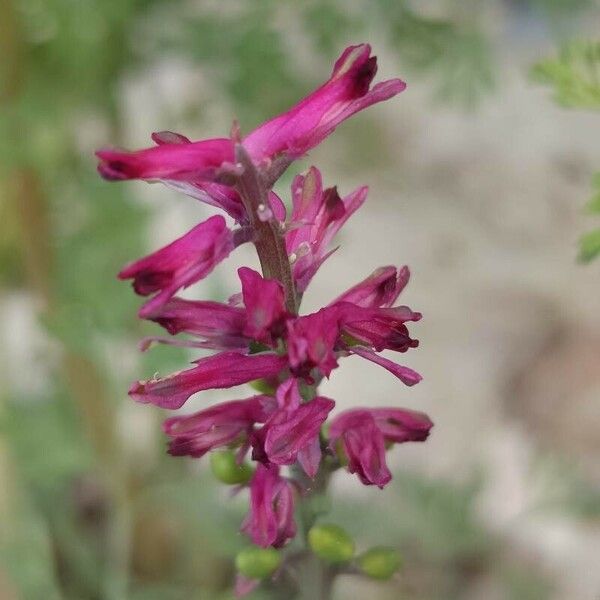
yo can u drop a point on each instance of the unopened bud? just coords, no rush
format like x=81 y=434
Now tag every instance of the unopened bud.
x=380 y=562
x=226 y=469
x=331 y=543
x=257 y=563
x=262 y=386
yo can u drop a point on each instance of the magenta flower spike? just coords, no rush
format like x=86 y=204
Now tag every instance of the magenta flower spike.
x=259 y=334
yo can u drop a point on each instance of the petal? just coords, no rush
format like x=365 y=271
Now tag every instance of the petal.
x=264 y=300
x=314 y=118
x=220 y=325
x=402 y=425
x=309 y=457
x=178 y=161
x=380 y=288
x=286 y=437
x=223 y=370
x=406 y=375
x=180 y=264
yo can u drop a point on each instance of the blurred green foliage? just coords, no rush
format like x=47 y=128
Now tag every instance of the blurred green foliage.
x=82 y=516
x=574 y=75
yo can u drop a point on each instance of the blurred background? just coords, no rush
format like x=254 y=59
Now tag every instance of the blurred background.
x=479 y=178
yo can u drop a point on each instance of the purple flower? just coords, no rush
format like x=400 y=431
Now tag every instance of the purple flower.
x=218 y=326
x=317 y=216
x=270 y=521
x=292 y=431
x=223 y=370
x=194 y=435
x=309 y=122
x=380 y=289
x=363 y=434
x=177 y=160
x=264 y=300
x=199 y=169
x=180 y=264
x=311 y=341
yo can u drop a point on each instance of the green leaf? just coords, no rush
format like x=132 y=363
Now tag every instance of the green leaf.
x=574 y=75
x=593 y=206
x=589 y=246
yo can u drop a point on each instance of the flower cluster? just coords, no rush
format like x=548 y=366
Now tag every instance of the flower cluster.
x=258 y=334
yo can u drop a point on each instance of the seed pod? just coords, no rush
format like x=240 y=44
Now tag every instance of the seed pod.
x=257 y=563
x=226 y=469
x=331 y=543
x=379 y=562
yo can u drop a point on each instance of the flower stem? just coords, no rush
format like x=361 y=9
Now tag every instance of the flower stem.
x=269 y=242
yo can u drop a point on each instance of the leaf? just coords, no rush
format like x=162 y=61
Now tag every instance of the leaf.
x=589 y=246
x=574 y=75
x=593 y=206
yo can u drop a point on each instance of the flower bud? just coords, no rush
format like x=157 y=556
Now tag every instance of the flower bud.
x=257 y=563
x=226 y=469
x=379 y=562
x=331 y=543
x=262 y=386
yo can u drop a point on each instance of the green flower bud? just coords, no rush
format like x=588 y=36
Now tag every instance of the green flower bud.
x=225 y=468
x=262 y=386
x=331 y=543
x=379 y=562
x=257 y=563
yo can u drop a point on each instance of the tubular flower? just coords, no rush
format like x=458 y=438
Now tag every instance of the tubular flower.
x=270 y=521
x=189 y=166
x=258 y=334
x=221 y=425
x=364 y=433
x=180 y=264
x=317 y=217
x=292 y=430
x=307 y=124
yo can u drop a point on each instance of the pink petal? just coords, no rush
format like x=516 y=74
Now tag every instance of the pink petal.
x=406 y=375
x=223 y=370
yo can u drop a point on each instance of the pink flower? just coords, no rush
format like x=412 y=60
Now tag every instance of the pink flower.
x=312 y=341
x=218 y=326
x=363 y=434
x=309 y=122
x=316 y=218
x=380 y=289
x=270 y=521
x=292 y=431
x=177 y=160
x=200 y=169
x=380 y=328
x=194 y=435
x=180 y=264
x=223 y=370
x=404 y=374
x=264 y=300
